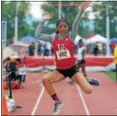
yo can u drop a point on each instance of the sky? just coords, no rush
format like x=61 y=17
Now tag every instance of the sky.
x=36 y=10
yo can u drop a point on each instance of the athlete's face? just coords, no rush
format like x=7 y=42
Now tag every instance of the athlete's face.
x=62 y=28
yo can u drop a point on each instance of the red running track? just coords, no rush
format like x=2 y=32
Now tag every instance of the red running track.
x=35 y=100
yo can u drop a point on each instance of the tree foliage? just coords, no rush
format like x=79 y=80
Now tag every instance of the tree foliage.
x=99 y=23
x=100 y=20
x=9 y=13
x=68 y=12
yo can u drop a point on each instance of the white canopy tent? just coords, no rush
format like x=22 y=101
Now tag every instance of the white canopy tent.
x=97 y=39
x=78 y=37
x=14 y=49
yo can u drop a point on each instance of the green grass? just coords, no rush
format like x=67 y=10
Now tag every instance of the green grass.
x=112 y=75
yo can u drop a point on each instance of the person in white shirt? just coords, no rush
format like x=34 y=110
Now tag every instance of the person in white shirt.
x=81 y=50
x=81 y=63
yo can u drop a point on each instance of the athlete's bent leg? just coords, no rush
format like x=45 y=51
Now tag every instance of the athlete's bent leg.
x=82 y=82
x=49 y=78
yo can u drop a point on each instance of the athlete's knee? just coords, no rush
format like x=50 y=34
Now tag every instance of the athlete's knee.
x=88 y=90
x=45 y=80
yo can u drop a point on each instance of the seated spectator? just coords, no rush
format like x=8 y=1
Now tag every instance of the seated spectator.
x=22 y=76
x=12 y=71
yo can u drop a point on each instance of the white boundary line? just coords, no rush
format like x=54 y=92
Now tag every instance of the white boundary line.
x=83 y=100
x=37 y=102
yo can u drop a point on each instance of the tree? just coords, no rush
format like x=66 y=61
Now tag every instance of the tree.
x=100 y=20
x=8 y=14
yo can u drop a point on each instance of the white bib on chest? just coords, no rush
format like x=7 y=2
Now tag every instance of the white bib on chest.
x=63 y=54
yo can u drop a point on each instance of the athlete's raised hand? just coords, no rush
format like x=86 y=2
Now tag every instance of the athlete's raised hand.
x=46 y=16
x=86 y=4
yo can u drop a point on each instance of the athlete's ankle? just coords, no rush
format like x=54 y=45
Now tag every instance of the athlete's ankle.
x=57 y=101
x=55 y=98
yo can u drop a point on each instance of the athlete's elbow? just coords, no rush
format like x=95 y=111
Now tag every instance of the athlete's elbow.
x=36 y=35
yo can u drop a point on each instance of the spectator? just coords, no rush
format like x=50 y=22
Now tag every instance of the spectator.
x=31 y=50
x=113 y=44
x=96 y=50
x=6 y=65
x=12 y=69
x=39 y=49
x=46 y=50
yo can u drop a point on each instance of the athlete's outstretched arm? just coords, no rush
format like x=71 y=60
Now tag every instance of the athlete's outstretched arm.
x=38 y=32
x=77 y=19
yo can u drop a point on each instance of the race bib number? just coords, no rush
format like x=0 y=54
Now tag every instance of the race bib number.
x=63 y=54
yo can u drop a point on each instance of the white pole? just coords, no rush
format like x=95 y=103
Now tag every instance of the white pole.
x=59 y=10
x=107 y=29
x=4 y=33
x=16 y=23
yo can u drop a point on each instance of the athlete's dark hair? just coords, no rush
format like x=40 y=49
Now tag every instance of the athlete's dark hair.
x=62 y=20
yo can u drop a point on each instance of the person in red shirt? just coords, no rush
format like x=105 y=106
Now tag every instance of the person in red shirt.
x=63 y=47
